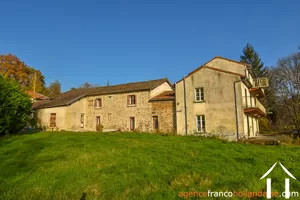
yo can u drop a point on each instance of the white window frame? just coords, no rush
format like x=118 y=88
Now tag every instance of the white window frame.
x=200 y=120
x=199 y=94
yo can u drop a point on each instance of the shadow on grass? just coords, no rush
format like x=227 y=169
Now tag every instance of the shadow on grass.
x=22 y=132
x=29 y=132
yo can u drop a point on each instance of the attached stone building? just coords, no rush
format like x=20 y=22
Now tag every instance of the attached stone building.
x=142 y=106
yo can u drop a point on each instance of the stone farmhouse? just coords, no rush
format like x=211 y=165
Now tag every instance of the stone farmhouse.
x=220 y=97
x=143 y=106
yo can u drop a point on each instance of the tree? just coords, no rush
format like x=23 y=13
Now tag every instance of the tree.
x=15 y=107
x=287 y=84
x=36 y=81
x=12 y=68
x=54 y=89
x=88 y=85
x=250 y=56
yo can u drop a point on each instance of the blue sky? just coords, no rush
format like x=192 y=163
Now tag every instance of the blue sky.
x=126 y=41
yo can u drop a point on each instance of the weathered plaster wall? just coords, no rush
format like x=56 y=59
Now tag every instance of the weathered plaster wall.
x=73 y=115
x=44 y=116
x=228 y=66
x=218 y=105
x=160 y=89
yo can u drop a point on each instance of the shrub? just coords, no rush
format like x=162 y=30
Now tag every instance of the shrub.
x=264 y=125
x=99 y=127
x=15 y=107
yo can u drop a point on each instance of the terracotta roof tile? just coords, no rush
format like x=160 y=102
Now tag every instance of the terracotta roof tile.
x=165 y=96
x=36 y=95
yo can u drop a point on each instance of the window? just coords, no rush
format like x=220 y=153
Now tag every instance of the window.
x=199 y=94
x=53 y=120
x=81 y=120
x=155 y=122
x=131 y=101
x=200 y=123
x=109 y=116
x=98 y=103
x=132 y=123
x=246 y=101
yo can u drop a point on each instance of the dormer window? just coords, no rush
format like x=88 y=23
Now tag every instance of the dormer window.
x=131 y=100
x=98 y=103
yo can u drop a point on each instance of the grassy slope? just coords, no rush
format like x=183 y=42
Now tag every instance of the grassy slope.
x=63 y=165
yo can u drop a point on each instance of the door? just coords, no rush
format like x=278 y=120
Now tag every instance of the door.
x=53 y=120
x=132 y=123
x=155 y=123
x=98 y=122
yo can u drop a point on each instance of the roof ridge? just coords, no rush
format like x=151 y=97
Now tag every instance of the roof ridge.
x=71 y=96
x=133 y=82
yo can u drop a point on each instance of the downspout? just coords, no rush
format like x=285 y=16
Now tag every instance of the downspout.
x=185 y=108
x=175 y=111
x=236 y=112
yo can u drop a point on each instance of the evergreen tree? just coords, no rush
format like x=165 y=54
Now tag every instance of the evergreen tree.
x=250 y=56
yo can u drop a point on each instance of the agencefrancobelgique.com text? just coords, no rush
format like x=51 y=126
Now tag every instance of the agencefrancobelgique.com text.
x=229 y=194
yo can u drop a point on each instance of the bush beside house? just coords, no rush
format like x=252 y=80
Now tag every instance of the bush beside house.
x=15 y=107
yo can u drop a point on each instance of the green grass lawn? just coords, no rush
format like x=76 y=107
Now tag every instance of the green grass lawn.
x=65 y=165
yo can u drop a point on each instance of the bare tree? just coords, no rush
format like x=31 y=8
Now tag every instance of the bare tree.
x=88 y=85
x=287 y=83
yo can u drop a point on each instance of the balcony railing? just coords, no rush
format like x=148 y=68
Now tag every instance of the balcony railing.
x=253 y=107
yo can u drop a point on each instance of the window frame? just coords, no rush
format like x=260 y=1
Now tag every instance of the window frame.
x=201 y=94
x=98 y=100
x=202 y=124
x=82 y=120
x=129 y=100
x=155 y=125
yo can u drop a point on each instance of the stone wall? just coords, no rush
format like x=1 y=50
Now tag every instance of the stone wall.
x=165 y=111
x=115 y=113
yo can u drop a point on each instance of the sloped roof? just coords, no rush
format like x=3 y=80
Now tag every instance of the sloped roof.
x=36 y=95
x=72 y=96
x=165 y=96
x=40 y=103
